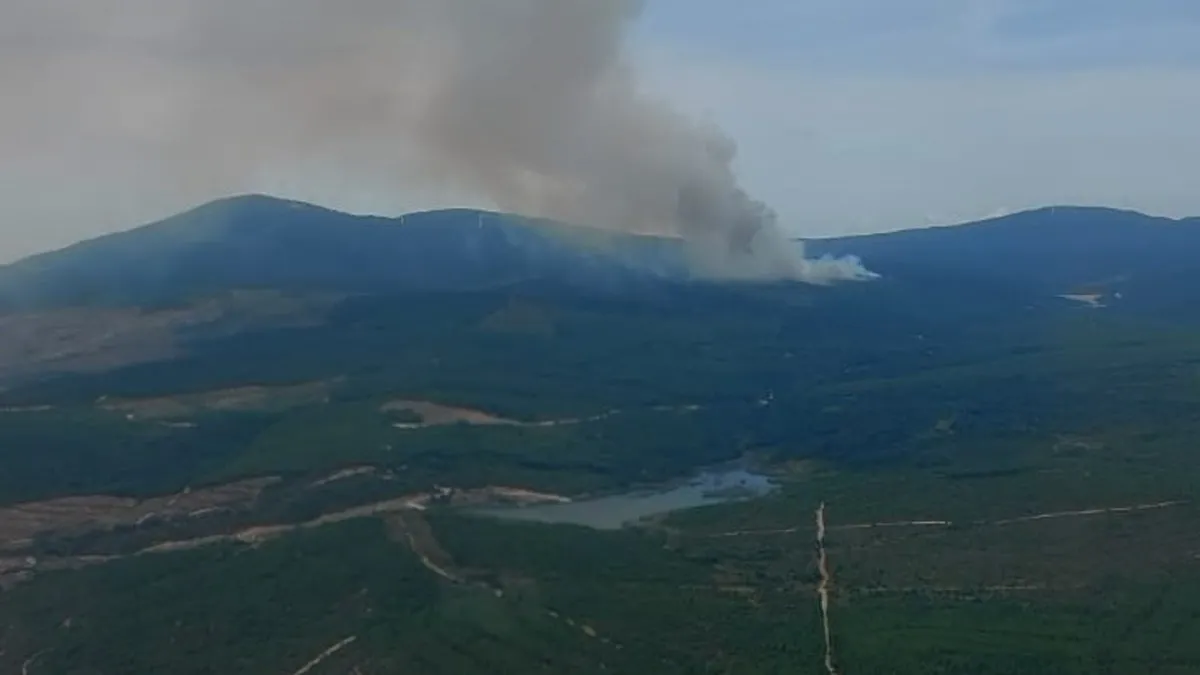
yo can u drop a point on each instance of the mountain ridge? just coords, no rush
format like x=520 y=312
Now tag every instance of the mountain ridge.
x=262 y=242
x=259 y=200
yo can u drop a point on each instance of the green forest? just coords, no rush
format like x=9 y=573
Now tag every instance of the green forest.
x=997 y=432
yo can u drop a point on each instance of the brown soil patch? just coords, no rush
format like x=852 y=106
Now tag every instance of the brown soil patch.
x=401 y=514
x=434 y=414
x=263 y=533
x=241 y=399
x=95 y=340
x=19 y=523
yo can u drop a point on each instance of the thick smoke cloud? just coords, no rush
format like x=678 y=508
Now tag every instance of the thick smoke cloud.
x=532 y=104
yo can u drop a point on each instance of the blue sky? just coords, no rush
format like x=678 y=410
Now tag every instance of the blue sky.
x=928 y=36
x=860 y=115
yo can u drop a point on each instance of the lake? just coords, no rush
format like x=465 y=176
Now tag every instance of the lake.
x=615 y=511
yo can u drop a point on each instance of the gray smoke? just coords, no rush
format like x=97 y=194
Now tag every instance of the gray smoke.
x=533 y=104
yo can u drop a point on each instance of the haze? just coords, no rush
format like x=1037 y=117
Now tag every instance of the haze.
x=848 y=116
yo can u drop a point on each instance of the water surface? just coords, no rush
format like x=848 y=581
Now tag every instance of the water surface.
x=614 y=511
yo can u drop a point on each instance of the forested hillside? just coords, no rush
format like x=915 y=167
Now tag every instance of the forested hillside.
x=280 y=449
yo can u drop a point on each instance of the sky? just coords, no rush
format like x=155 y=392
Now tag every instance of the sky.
x=849 y=115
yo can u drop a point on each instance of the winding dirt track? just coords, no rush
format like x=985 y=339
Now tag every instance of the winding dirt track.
x=324 y=655
x=25 y=667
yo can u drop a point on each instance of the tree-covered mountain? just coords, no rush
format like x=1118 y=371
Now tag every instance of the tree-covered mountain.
x=1141 y=260
x=258 y=242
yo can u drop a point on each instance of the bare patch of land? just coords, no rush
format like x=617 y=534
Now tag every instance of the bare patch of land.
x=1089 y=299
x=80 y=340
x=106 y=512
x=21 y=522
x=240 y=399
x=436 y=414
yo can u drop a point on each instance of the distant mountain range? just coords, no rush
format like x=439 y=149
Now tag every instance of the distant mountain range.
x=1051 y=251
x=259 y=242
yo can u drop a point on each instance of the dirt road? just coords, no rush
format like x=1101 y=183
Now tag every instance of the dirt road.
x=823 y=588
x=1090 y=512
x=325 y=654
x=415 y=531
x=1052 y=515
x=25 y=667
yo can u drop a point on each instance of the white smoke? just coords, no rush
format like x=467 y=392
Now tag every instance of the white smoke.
x=532 y=104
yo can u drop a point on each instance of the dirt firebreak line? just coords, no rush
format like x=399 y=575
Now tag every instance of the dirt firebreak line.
x=337 y=647
x=823 y=588
x=1052 y=515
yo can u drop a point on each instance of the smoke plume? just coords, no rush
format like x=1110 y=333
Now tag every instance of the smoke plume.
x=532 y=104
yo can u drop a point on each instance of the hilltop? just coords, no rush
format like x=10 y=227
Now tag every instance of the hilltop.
x=259 y=242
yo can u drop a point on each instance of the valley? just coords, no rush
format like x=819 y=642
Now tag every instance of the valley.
x=601 y=472
x=953 y=556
